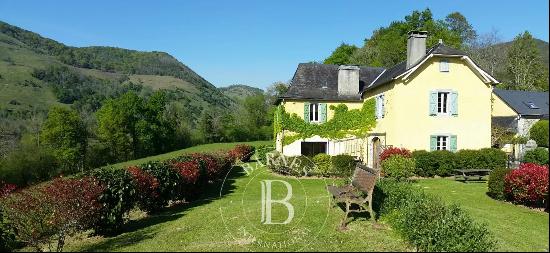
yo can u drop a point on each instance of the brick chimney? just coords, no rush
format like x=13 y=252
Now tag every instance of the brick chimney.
x=416 y=47
x=348 y=80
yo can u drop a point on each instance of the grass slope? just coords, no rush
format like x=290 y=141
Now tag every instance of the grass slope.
x=516 y=228
x=230 y=223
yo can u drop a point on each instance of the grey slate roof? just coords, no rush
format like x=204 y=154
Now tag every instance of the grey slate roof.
x=320 y=82
x=401 y=67
x=519 y=102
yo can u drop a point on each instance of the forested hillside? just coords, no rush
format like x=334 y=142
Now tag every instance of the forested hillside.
x=75 y=108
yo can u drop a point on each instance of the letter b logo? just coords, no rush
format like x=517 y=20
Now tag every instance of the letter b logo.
x=267 y=202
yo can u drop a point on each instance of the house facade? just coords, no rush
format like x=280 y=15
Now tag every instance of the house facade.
x=438 y=99
x=517 y=111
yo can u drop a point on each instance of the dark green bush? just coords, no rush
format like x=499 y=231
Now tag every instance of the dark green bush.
x=435 y=163
x=425 y=166
x=398 y=167
x=486 y=158
x=427 y=223
x=343 y=165
x=297 y=166
x=118 y=198
x=496 y=183
x=537 y=156
x=539 y=133
x=262 y=151
x=323 y=165
x=7 y=235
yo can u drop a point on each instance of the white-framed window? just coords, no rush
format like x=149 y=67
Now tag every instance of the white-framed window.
x=443 y=102
x=444 y=65
x=443 y=142
x=314 y=112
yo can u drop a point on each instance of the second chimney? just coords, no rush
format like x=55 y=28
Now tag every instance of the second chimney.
x=348 y=80
x=416 y=47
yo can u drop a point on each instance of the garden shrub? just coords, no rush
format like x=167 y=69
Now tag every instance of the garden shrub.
x=426 y=222
x=297 y=166
x=262 y=151
x=118 y=198
x=435 y=163
x=398 y=167
x=242 y=152
x=323 y=165
x=6 y=189
x=395 y=151
x=495 y=184
x=539 y=133
x=190 y=173
x=170 y=182
x=209 y=165
x=343 y=165
x=537 y=156
x=527 y=185
x=7 y=235
x=147 y=189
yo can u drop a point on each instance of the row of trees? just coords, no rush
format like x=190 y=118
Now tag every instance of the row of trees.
x=130 y=126
x=518 y=65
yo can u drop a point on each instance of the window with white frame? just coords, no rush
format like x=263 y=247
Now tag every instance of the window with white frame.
x=444 y=65
x=443 y=142
x=314 y=112
x=443 y=102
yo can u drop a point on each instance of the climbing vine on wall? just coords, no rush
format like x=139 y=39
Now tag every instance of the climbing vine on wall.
x=356 y=122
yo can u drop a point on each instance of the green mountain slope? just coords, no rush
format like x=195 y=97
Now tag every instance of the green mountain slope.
x=21 y=52
x=239 y=92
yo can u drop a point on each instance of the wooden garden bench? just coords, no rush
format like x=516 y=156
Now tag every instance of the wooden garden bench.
x=359 y=192
x=471 y=174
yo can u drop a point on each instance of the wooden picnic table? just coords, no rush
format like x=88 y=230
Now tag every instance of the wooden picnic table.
x=471 y=174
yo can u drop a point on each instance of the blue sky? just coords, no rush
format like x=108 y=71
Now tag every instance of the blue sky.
x=250 y=42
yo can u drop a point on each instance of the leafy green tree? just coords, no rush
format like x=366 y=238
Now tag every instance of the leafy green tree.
x=539 y=133
x=117 y=125
x=525 y=66
x=341 y=55
x=388 y=45
x=457 y=23
x=65 y=133
x=274 y=91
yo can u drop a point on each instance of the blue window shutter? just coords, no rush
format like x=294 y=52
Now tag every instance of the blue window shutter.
x=453 y=143
x=323 y=111
x=454 y=103
x=306 y=112
x=382 y=108
x=433 y=103
x=433 y=142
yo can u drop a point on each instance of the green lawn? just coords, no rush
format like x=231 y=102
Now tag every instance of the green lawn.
x=232 y=223
x=517 y=228
x=200 y=148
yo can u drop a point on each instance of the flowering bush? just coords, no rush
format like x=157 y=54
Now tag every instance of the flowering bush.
x=395 y=151
x=6 y=189
x=147 y=189
x=242 y=152
x=527 y=185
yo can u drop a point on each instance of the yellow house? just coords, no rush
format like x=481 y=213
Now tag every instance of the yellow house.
x=438 y=99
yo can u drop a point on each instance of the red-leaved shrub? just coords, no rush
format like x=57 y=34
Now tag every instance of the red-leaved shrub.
x=242 y=152
x=147 y=189
x=527 y=185
x=209 y=164
x=60 y=208
x=395 y=151
x=189 y=171
x=6 y=189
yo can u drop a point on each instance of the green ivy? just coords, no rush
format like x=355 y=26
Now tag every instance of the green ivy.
x=356 y=122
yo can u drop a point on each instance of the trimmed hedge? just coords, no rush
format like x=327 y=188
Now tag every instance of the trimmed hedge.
x=442 y=163
x=100 y=199
x=426 y=222
x=320 y=165
x=537 y=156
x=398 y=167
x=343 y=165
x=495 y=185
x=323 y=165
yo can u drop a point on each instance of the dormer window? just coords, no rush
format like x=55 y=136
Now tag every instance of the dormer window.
x=531 y=105
x=444 y=65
